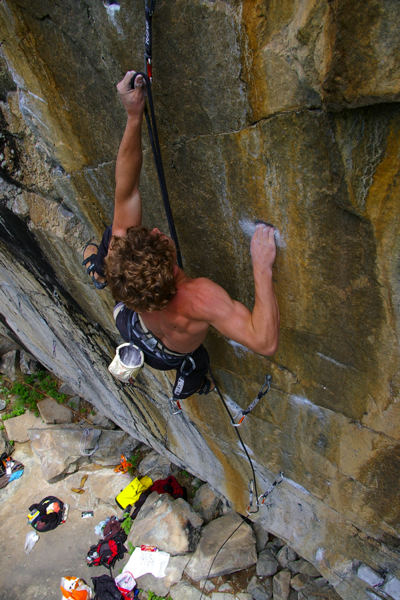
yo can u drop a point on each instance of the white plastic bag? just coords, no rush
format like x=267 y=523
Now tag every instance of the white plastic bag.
x=30 y=540
x=125 y=581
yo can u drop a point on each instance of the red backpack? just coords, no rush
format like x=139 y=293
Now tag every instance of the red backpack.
x=107 y=552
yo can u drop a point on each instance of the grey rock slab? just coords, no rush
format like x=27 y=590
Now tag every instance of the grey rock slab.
x=238 y=553
x=207 y=585
x=267 y=564
x=318 y=589
x=6 y=343
x=262 y=536
x=225 y=587
x=27 y=363
x=221 y=596
x=304 y=567
x=111 y=444
x=52 y=412
x=368 y=575
x=372 y=595
x=281 y=585
x=299 y=581
x=17 y=428
x=286 y=555
x=8 y=364
x=207 y=503
x=260 y=589
x=173 y=574
x=104 y=422
x=65 y=388
x=184 y=591
x=171 y=525
x=62 y=450
x=155 y=466
x=392 y=588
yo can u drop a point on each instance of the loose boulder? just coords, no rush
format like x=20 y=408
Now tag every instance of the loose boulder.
x=62 y=450
x=17 y=428
x=267 y=565
x=171 y=525
x=53 y=412
x=207 y=503
x=184 y=591
x=239 y=552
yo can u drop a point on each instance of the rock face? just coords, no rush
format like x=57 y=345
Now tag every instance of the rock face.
x=286 y=112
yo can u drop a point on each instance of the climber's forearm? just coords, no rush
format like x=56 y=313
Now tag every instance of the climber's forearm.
x=128 y=204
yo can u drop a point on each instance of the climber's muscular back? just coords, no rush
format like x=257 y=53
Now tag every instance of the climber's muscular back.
x=182 y=325
x=198 y=303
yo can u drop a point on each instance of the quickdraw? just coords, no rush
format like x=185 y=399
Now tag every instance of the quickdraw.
x=251 y=498
x=149 y=10
x=175 y=407
x=261 y=499
x=266 y=386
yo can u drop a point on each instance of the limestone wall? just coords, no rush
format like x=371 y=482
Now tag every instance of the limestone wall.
x=285 y=111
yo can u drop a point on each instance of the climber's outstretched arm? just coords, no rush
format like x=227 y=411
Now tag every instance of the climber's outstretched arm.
x=128 y=203
x=259 y=329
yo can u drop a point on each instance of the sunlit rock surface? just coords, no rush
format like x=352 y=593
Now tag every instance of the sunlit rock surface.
x=283 y=111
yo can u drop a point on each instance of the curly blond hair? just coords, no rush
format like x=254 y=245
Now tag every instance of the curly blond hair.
x=140 y=269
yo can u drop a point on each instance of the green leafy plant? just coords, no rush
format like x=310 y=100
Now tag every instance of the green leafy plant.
x=16 y=412
x=133 y=459
x=127 y=524
x=131 y=547
x=152 y=596
x=24 y=395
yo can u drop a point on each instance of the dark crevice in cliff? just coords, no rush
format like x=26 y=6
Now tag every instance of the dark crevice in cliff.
x=22 y=245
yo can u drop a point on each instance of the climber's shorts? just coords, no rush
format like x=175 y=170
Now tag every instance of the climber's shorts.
x=191 y=369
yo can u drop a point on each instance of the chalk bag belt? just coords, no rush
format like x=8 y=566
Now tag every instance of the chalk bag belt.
x=263 y=391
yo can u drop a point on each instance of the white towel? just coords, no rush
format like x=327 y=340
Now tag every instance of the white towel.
x=145 y=561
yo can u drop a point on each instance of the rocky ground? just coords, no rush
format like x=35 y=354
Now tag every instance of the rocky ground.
x=276 y=571
x=214 y=552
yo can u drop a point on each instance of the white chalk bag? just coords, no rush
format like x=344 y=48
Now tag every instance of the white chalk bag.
x=127 y=362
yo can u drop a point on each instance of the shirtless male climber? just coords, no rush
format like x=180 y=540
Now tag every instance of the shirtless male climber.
x=160 y=309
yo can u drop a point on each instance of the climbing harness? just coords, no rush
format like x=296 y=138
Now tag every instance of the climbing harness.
x=263 y=391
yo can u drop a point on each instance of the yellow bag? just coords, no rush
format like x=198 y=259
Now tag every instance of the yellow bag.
x=75 y=589
x=131 y=493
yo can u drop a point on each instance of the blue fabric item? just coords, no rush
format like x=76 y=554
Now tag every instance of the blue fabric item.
x=16 y=475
